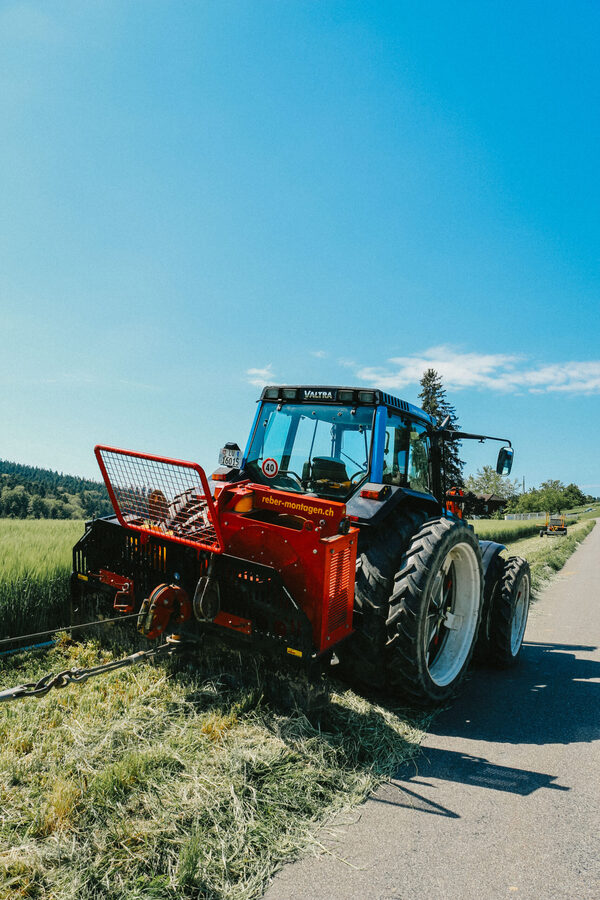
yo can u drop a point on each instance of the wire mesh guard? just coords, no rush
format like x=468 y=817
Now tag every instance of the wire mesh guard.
x=161 y=496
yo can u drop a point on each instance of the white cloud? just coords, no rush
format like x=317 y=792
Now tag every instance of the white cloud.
x=320 y=354
x=489 y=371
x=260 y=377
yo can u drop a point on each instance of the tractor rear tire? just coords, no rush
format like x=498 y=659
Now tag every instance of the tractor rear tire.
x=362 y=657
x=435 y=612
x=509 y=614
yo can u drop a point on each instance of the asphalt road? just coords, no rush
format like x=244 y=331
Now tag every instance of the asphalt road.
x=504 y=800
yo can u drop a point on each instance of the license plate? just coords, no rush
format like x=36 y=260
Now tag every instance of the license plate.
x=231 y=458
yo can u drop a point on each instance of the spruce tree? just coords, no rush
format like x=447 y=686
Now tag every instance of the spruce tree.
x=434 y=401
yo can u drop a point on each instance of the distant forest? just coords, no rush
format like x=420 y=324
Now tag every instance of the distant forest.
x=27 y=492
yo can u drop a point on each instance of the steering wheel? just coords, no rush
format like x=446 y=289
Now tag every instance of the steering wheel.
x=291 y=472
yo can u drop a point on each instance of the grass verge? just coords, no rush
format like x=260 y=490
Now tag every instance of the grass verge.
x=173 y=780
x=547 y=555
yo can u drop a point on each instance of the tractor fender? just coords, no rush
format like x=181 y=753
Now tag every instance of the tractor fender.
x=373 y=512
x=490 y=553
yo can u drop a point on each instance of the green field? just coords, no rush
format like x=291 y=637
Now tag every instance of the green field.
x=35 y=564
x=186 y=779
x=506 y=530
x=585 y=512
x=30 y=547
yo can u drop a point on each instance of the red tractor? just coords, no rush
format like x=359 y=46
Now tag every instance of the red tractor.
x=327 y=539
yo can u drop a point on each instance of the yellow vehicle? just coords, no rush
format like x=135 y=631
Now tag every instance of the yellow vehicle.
x=554 y=525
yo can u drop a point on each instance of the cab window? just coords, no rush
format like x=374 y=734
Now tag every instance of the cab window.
x=319 y=449
x=395 y=454
x=418 y=458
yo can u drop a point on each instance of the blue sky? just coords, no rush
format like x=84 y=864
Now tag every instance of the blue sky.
x=201 y=197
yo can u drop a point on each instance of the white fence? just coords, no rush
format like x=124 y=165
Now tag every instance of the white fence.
x=538 y=515
x=525 y=515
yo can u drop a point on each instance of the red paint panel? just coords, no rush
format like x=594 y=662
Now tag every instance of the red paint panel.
x=125 y=590
x=317 y=569
x=326 y=513
x=236 y=623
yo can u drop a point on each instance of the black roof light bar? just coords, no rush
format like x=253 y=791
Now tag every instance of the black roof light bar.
x=344 y=395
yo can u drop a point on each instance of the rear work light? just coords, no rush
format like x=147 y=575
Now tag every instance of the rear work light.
x=366 y=396
x=378 y=494
x=289 y=394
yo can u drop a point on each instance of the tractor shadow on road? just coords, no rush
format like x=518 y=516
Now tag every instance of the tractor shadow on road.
x=552 y=696
x=437 y=764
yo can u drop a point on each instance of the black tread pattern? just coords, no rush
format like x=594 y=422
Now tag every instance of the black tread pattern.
x=380 y=557
x=405 y=661
x=380 y=554
x=492 y=585
x=502 y=614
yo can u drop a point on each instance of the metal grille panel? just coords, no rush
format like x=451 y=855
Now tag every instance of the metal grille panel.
x=163 y=497
x=339 y=583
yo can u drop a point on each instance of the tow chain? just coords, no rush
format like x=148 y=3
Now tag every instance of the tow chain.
x=29 y=637
x=78 y=676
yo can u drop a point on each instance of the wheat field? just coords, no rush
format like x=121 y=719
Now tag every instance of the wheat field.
x=35 y=564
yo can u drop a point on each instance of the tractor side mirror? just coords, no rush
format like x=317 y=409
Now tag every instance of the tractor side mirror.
x=505 y=460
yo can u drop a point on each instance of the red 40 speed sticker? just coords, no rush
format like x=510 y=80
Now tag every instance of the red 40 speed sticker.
x=270 y=467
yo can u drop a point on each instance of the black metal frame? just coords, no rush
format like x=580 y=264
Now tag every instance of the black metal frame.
x=248 y=590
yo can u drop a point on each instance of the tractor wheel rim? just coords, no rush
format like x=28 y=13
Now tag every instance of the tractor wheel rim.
x=452 y=614
x=519 y=620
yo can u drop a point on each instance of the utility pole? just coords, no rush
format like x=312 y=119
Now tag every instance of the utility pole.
x=523 y=484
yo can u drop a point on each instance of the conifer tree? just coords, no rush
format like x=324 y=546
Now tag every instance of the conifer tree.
x=434 y=401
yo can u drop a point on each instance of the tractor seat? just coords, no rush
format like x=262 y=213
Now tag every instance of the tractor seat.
x=327 y=468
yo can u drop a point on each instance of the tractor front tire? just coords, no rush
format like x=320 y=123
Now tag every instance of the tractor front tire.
x=435 y=612
x=509 y=615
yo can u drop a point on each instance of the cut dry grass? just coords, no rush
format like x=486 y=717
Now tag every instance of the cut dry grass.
x=188 y=778
x=174 y=780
